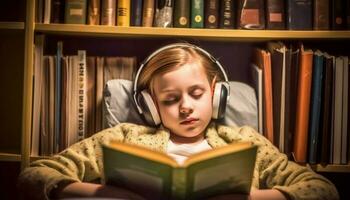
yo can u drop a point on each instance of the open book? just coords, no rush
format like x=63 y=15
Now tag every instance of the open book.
x=155 y=175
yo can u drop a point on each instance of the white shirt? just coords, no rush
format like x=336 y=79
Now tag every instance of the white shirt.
x=180 y=152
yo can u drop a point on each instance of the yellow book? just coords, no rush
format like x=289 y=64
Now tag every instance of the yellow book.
x=123 y=13
x=155 y=175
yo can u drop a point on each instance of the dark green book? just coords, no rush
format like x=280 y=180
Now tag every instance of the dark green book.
x=75 y=12
x=155 y=175
x=182 y=14
x=197 y=13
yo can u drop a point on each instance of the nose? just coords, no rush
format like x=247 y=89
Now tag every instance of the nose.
x=186 y=106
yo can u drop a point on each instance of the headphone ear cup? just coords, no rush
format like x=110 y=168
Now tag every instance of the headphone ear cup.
x=219 y=100
x=149 y=109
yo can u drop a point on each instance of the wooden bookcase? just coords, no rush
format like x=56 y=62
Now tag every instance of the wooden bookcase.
x=15 y=144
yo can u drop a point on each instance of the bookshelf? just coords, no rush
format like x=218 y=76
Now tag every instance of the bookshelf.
x=26 y=28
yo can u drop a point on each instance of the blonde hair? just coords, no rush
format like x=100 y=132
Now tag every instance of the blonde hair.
x=172 y=58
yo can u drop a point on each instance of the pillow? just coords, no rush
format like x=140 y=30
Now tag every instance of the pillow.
x=119 y=105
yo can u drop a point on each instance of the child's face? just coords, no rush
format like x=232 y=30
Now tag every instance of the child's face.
x=184 y=100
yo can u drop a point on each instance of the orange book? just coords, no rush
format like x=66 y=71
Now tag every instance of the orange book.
x=303 y=105
x=263 y=60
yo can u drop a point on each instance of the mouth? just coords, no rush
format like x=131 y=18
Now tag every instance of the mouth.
x=189 y=121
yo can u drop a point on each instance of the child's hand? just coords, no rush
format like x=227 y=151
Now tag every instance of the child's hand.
x=94 y=190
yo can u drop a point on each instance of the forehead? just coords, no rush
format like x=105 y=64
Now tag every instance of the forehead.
x=183 y=76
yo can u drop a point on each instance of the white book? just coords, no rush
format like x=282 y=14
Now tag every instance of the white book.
x=257 y=75
x=82 y=97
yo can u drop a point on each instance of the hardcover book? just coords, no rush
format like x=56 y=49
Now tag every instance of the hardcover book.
x=136 y=13
x=94 y=12
x=75 y=12
x=275 y=18
x=321 y=14
x=123 y=13
x=338 y=14
x=197 y=13
x=227 y=14
x=299 y=14
x=211 y=13
x=108 y=12
x=148 y=13
x=156 y=175
x=182 y=13
x=250 y=14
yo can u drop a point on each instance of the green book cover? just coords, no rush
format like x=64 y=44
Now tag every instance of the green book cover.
x=75 y=12
x=197 y=13
x=156 y=175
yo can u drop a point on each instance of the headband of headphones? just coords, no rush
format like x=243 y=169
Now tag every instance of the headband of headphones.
x=170 y=46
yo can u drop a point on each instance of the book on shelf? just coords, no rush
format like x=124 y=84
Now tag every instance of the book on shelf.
x=164 y=13
x=275 y=14
x=91 y=95
x=315 y=106
x=345 y=134
x=46 y=11
x=278 y=69
x=99 y=92
x=197 y=13
x=303 y=106
x=211 y=14
x=321 y=15
x=58 y=94
x=57 y=11
x=250 y=14
x=182 y=13
x=148 y=13
x=157 y=175
x=94 y=12
x=108 y=12
x=262 y=59
x=299 y=14
x=338 y=14
x=136 y=12
x=257 y=78
x=75 y=12
x=326 y=121
x=347 y=17
x=227 y=14
x=123 y=13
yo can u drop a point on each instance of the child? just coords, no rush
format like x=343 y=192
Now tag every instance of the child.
x=179 y=86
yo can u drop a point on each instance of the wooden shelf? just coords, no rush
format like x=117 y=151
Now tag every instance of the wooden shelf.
x=217 y=34
x=12 y=25
x=331 y=168
x=10 y=157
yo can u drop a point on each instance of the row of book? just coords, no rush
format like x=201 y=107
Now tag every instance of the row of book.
x=67 y=96
x=303 y=102
x=226 y=14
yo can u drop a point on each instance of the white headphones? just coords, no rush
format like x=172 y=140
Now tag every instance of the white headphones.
x=147 y=108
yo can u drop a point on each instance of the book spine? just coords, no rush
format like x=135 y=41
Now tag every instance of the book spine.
x=211 y=13
x=299 y=14
x=75 y=12
x=57 y=11
x=123 y=13
x=136 y=13
x=315 y=107
x=108 y=12
x=251 y=14
x=347 y=13
x=164 y=14
x=148 y=13
x=94 y=12
x=197 y=13
x=338 y=14
x=58 y=95
x=81 y=94
x=47 y=11
x=227 y=14
x=321 y=14
x=345 y=133
x=179 y=188
x=275 y=19
x=182 y=14
x=303 y=105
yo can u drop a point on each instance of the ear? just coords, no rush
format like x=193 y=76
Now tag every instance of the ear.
x=212 y=86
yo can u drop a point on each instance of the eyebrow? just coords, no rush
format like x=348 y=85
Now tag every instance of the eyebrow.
x=195 y=86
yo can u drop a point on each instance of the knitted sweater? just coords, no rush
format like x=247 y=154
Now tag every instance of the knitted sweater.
x=83 y=162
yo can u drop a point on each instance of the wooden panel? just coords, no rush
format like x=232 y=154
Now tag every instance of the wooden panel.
x=11 y=89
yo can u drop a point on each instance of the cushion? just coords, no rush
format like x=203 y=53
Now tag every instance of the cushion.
x=119 y=105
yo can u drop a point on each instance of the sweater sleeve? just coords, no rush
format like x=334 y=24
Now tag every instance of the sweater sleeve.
x=293 y=180
x=80 y=162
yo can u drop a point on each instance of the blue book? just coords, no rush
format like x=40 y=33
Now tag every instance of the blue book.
x=299 y=14
x=136 y=13
x=315 y=106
